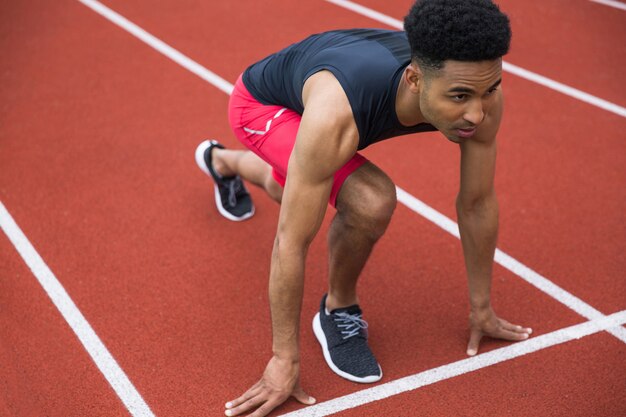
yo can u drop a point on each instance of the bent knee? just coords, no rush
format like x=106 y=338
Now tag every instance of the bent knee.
x=377 y=204
x=369 y=199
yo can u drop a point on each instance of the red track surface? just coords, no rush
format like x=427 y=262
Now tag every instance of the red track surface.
x=97 y=133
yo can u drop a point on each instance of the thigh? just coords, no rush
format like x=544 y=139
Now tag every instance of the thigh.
x=267 y=130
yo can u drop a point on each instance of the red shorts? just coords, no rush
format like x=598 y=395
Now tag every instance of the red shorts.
x=270 y=132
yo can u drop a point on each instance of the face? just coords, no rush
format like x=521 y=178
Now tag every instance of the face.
x=458 y=98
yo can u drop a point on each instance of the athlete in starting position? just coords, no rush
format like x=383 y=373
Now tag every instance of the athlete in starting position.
x=305 y=112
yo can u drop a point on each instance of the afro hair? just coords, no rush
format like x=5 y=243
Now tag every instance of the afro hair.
x=461 y=30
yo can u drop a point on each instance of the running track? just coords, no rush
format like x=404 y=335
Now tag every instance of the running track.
x=97 y=133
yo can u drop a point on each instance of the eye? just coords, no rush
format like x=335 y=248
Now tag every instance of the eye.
x=490 y=92
x=459 y=97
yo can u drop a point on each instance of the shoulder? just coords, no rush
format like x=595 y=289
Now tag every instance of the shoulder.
x=327 y=131
x=325 y=99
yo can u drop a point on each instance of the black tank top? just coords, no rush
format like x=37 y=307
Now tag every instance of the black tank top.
x=368 y=63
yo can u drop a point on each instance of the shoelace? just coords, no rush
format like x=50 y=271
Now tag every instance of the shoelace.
x=350 y=323
x=234 y=187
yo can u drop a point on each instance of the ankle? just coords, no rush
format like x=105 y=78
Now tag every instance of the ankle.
x=334 y=301
x=218 y=163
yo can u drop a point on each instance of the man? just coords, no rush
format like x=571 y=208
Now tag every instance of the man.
x=305 y=111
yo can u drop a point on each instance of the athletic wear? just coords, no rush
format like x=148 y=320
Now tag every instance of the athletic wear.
x=270 y=132
x=368 y=63
x=266 y=104
x=231 y=197
x=342 y=333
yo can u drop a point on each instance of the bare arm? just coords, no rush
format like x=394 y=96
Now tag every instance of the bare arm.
x=477 y=211
x=327 y=139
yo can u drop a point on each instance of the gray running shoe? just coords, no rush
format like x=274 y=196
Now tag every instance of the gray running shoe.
x=231 y=196
x=342 y=333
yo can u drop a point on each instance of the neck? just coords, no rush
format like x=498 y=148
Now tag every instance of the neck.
x=408 y=103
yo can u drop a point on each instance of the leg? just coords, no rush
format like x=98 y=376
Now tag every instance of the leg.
x=248 y=166
x=365 y=204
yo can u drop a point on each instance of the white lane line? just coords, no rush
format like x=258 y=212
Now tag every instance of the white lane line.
x=461 y=367
x=565 y=89
x=81 y=327
x=510 y=263
x=611 y=3
x=159 y=45
x=513 y=69
x=407 y=199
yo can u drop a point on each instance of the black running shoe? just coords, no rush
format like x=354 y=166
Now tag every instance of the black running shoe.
x=231 y=196
x=343 y=336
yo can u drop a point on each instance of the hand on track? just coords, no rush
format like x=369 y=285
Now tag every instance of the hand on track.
x=485 y=323
x=280 y=381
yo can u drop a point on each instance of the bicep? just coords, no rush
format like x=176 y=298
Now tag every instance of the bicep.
x=327 y=138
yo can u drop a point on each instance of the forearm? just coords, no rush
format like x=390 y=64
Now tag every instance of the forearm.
x=296 y=229
x=478 y=226
x=285 y=291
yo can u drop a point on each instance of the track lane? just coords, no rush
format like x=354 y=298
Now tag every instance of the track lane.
x=117 y=227
x=547 y=383
x=190 y=350
x=45 y=370
x=574 y=42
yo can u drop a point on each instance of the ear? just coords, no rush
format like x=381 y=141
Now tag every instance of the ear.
x=414 y=77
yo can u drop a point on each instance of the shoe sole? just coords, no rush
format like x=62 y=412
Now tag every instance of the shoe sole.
x=321 y=338
x=218 y=199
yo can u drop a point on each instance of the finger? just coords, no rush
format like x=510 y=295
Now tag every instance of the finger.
x=515 y=328
x=302 y=396
x=509 y=335
x=520 y=329
x=474 y=342
x=267 y=408
x=252 y=392
x=247 y=405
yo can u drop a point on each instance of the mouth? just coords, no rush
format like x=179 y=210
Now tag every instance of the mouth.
x=466 y=133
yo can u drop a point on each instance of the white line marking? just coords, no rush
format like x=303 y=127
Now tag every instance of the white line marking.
x=513 y=69
x=87 y=336
x=160 y=46
x=562 y=88
x=611 y=3
x=371 y=13
x=510 y=263
x=461 y=367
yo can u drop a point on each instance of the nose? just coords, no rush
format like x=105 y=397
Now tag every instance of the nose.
x=474 y=113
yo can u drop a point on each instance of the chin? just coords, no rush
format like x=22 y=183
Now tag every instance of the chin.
x=454 y=139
